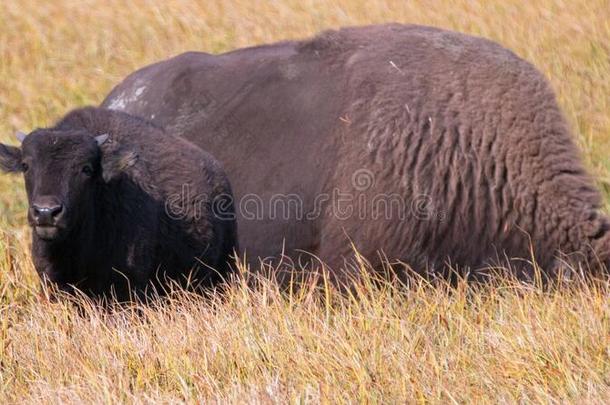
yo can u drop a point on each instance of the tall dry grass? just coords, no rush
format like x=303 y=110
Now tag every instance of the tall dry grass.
x=504 y=342
x=500 y=343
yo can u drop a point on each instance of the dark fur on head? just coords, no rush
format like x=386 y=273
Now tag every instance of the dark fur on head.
x=97 y=185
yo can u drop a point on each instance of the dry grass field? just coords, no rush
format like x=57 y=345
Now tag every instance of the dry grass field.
x=504 y=342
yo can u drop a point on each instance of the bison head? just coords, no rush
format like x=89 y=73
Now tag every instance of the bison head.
x=63 y=173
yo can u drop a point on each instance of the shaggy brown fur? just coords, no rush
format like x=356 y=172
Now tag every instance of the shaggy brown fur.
x=465 y=137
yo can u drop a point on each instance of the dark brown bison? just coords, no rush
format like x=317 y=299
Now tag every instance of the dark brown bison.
x=104 y=190
x=423 y=146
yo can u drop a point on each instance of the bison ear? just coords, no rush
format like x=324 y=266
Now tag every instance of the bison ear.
x=100 y=139
x=10 y=159
x=116 y=162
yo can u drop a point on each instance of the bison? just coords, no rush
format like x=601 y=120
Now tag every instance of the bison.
x=413 y=144
x=103 y=189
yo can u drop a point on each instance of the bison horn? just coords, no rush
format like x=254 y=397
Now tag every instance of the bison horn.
x=101 y=139
x=20 y=136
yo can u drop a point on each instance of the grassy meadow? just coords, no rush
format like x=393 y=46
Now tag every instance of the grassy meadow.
x=504 y=342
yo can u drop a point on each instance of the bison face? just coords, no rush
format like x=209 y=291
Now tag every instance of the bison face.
x=62 y=177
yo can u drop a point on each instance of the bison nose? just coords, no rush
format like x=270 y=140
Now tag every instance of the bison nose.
x=47 y=214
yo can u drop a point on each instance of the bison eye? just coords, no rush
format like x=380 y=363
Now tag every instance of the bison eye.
x=24 y=167
x=88 y=170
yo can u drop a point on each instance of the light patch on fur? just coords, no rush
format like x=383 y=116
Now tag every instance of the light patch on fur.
x=122 y=100
x=126 y=161
x=131 y=255
x=370 y=145
x=115 y=164
x=355 y=58
x=118 y=103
